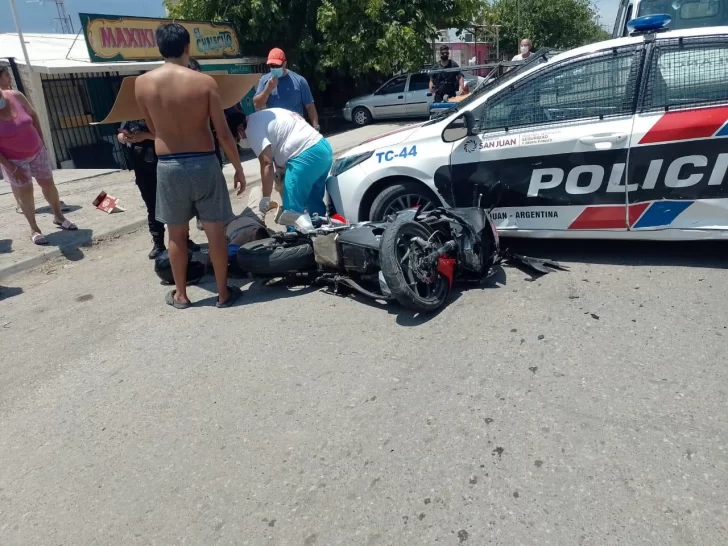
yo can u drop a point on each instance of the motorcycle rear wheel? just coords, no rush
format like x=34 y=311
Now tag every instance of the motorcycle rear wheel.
x=399 y=269
x=272 y=257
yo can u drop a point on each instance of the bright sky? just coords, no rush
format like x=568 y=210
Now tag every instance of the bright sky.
x=35 y=17
x=607 y=10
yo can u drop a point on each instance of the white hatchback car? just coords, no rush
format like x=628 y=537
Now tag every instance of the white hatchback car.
x=620 y=139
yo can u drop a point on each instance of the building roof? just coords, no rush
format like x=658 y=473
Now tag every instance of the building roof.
x=62 y=53
x=450 y=36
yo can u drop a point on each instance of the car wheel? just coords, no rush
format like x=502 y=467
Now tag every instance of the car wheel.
x=361 y=116
x=402 y=196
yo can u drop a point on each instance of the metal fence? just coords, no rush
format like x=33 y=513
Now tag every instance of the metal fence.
x=74 y=101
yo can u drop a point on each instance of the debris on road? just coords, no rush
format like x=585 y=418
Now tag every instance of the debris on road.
x=107 y=203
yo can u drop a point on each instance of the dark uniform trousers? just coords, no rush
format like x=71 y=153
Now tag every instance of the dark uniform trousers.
x=146 y=180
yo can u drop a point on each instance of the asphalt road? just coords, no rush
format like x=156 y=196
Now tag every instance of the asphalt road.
x=582 y=408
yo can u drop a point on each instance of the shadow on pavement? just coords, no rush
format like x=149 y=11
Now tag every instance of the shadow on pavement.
x=405 y=317
x=6 y=246
x=7 y=292
x=709 y=254
x=66 y=208
x=69 y=242
x=257 y=291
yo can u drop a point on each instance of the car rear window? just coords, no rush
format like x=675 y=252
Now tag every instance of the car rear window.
x=688 y=14
x=688 y=73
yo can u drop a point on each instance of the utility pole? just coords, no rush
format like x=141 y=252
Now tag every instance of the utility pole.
x=518 y=25
x=64 y=19
x=20 y=35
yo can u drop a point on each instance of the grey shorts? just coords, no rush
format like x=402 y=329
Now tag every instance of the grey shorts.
x=190 y=185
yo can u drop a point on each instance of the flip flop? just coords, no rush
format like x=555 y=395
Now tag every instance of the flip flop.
x=66 y=224
x=235 y=293
x=174 y=303
x=39 y=239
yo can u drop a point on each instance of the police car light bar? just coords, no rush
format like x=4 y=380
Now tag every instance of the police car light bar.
x=649 y=23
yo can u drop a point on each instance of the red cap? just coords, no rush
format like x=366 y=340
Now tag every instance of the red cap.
x=276 y=56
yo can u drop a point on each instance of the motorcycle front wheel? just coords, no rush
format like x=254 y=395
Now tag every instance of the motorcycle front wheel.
x=412 y=285
x=273 y=257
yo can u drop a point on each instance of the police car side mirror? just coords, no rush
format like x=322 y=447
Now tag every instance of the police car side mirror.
x=459 y=128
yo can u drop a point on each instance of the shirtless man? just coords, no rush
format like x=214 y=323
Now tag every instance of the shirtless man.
x=178 y=103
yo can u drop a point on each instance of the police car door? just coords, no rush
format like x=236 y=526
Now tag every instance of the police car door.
x=557 y=140
x=679 y=151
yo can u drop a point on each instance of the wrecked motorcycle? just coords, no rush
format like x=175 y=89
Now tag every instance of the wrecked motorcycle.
x=413 y=257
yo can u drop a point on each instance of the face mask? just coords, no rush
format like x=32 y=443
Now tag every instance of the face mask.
x=445 y=56
x=524 y=49
x=276 y=72
x=3 y=102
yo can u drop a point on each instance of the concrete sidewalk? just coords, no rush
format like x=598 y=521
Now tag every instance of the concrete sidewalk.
x=65 y=176
x=18 y=253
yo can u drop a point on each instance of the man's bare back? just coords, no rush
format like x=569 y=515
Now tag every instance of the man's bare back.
x=177 y=102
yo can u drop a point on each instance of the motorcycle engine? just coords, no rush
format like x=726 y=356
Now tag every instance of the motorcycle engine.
x=360 y=248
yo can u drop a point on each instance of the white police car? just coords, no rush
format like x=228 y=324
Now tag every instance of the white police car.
x=625 y=138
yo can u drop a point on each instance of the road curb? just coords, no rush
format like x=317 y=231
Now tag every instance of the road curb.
x=118 y=231
x=56 y=252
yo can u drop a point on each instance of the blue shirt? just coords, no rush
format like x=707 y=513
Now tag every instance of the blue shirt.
x=292 y=93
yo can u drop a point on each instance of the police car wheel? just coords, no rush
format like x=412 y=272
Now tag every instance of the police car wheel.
x=398 y=197
x=361 y=116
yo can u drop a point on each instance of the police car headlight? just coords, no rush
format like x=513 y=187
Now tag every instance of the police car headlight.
x=345 y=163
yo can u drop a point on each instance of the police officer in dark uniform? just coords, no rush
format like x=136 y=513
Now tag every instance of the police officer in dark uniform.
x=446 y=83
x=139 y=145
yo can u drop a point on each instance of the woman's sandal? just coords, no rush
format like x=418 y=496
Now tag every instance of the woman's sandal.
x=39 y=239
x=66 y=224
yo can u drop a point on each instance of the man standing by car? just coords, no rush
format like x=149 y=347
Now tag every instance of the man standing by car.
x=177 y=104
x=525 y=53
x=283 y=88
x=446 y=83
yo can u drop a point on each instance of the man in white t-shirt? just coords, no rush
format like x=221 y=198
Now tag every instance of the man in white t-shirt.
x=282 y=137
x=525 y=53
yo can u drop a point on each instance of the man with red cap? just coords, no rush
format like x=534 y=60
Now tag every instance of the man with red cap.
x=283 y=88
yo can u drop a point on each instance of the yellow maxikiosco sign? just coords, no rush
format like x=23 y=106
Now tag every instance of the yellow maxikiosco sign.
x=112 y=38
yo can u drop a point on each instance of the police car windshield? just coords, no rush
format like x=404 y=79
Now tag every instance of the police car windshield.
x=687 y=13
x=491 y=81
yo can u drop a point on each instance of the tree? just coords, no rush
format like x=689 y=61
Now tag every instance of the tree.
x=560 y=24
x=386 y=35
x=260 y=25
x=352 y=36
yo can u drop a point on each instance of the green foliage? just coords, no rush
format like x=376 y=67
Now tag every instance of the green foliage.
x=386 y=35
x=560 y=24
x=357 y=37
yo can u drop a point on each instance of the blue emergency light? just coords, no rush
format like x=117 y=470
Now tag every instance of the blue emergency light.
x=649 y=23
